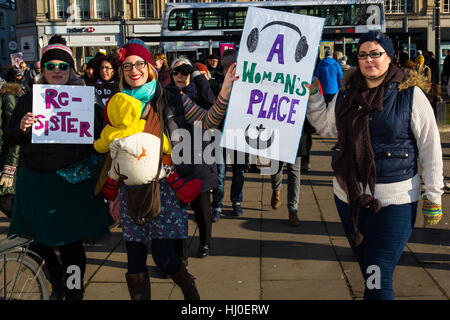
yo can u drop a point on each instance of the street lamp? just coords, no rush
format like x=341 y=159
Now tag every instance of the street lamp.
x=122 y=27
x=437 y=61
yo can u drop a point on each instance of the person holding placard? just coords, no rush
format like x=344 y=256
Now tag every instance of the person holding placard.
x=384 y=124
x=136 y=74
x=54 y=203
x=188 y=80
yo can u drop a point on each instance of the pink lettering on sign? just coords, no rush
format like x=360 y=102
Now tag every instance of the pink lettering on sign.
x=50 y=95
x=61 y=96
x=84 y=127
x=63 y=122
x=40 y=124
x=56 y=100
x=63 y=116
x=71 y=125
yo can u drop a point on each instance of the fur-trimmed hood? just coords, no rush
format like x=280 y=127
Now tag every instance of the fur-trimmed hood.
x=11 y=88
x=412 y=78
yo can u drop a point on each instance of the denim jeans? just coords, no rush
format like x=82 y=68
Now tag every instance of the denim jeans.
x=385 y=235
x=237 y=182
x=293 y=173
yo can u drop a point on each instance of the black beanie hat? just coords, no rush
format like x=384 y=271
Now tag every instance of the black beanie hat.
x=381 y=39
x=57 y=50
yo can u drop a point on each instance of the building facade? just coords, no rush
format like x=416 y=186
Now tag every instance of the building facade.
x=8 y=41
x=92 y=25
x=89 y=26
x=420 y=22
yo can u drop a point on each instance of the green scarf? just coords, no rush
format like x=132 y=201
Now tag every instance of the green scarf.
x=144 y=94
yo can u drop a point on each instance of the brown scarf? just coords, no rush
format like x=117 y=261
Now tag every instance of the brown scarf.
x=355 y=162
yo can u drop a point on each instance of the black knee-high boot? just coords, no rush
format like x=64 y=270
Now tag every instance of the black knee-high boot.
x=186 y=282
x=55 y=272
x=139 y=286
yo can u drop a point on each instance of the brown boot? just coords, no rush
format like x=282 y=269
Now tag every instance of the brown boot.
x=186 y=282
x=139 y=286
x=276 y=199
x=293 y=219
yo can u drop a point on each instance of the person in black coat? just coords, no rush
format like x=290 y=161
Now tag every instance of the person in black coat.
x=196 y=86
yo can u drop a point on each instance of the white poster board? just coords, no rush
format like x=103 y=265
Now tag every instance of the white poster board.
x=268 y=103
x=65 y=114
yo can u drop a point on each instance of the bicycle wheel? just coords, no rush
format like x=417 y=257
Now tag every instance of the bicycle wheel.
x=22 y=278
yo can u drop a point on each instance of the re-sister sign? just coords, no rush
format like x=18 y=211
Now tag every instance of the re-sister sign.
x=268 y=103
x=65 y=114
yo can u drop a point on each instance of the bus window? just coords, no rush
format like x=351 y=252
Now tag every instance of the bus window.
x=341 y=15
x=210 y=19
x=301 y=10
x=236 y=18
x=359 y=15
x=180 y=20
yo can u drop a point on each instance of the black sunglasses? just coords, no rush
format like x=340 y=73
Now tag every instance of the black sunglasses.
x=184 y=73
x=63 y=66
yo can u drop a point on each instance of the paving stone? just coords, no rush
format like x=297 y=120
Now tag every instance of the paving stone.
x=305 y=290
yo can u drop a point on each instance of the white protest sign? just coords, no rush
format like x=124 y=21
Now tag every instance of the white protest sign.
x=65 y=114
x=268 y=103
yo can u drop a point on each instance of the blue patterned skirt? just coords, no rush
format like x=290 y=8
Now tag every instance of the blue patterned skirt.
x=171 y=223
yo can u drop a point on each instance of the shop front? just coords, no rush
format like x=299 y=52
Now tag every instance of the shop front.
x=87 y=40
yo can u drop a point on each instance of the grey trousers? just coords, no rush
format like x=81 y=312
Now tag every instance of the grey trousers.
x=293 y=173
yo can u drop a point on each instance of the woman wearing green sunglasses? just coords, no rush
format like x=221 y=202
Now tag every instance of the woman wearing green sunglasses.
x=56 y=211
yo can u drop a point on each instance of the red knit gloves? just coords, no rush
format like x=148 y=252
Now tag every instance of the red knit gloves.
x=110 y=189
x=186 y=191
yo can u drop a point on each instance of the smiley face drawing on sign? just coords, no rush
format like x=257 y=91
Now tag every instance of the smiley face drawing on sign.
x=258 y=143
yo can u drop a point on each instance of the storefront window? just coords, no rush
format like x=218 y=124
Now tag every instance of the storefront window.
x=398 y=6
x=103 y=11
x=61 y=9
x=146 y=8
x=83 y=9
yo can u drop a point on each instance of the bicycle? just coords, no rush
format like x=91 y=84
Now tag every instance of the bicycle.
x=22 y=274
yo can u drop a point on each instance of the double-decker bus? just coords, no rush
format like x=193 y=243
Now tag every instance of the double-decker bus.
x=217 y=22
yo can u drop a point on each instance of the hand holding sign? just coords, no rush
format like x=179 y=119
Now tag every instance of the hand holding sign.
x=230 y=77
x=27 y=121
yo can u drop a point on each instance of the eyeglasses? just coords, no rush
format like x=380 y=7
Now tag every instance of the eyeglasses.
x=184 y=73
x=139 y=65
x=372 y=55
x=106 y=68
x=63 y=66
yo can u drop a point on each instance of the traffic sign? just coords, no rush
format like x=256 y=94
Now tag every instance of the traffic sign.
x=12 y=45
